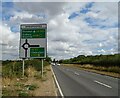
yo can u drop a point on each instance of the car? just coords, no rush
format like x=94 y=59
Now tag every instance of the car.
x=53 y=64
x=58 y=64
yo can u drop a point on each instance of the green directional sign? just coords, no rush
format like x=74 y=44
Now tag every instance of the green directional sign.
x=33 y=33
x=37 y=52
x=33 y=41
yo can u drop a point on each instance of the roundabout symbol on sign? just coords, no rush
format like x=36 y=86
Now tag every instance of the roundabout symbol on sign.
x=26 y=45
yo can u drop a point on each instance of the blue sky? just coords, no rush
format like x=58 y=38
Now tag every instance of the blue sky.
x=84 y=10
x=89 y=27
x=98 y=23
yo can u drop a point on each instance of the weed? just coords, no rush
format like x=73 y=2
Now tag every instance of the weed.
x=43 y=79
x=23 y=93
x=48 y=69
x=31 y=87
x=19 y=84
x=6 y=92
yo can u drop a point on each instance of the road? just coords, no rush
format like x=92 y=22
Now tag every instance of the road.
x=74 y=82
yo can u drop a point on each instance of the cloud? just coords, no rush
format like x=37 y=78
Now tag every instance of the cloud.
x=67 y=37
x=9 y=42
x=24 y=17
x=63 y=1
x=50 y=9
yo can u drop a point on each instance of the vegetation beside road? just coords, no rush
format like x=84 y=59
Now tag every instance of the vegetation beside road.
x=32 y=84
x=14 y=68
x=102 y=63
x=90 y=68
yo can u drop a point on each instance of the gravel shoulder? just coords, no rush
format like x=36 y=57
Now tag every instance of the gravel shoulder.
x=47 y=86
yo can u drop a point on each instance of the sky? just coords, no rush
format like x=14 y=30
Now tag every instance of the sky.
x=74 y=28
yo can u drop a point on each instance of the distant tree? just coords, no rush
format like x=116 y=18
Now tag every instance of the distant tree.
x=54 y=60
x=48 y=59
x=102 y=60
x=61 y=61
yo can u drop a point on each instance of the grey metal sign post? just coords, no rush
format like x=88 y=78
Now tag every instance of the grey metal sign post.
x=42 y=68
x=33 y=42
x=23 y=66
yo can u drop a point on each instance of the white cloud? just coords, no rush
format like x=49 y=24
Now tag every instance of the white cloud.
x=24 y=17
x=100 y=44
x=106 y=11
x=9 y=42
x=66 y=38
x=48 y=8
x=102 y=51
x=92 y=14
x=66 y=1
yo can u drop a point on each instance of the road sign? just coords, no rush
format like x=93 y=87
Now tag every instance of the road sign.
x=33 y=41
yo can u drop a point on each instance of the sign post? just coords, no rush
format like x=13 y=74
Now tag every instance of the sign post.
x=42 y=68
x=33 y=42
x=23 y=67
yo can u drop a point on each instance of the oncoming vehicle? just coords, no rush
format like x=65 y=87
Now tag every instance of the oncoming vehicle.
x=58 y=64
x=53 y=64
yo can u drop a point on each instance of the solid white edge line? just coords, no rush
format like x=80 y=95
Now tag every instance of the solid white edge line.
x=61 y=93
x=102 y=84
x=54 y=83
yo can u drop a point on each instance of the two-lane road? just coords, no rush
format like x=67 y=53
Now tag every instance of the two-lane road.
x=74 y=82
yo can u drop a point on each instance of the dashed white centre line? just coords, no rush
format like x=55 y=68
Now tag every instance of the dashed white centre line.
x=102 y=84
x=76 y=73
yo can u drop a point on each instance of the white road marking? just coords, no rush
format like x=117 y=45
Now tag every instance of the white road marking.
x=61 y=93
x=76 y=73
x=102 y=84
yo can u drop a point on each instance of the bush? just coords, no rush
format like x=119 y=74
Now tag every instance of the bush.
x=102 y=60
x=14 y=68
x=31 y=87
x=113 y=69
x=23 y=93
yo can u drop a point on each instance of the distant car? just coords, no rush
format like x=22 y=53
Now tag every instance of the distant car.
x=53 y=64
x=58 y=64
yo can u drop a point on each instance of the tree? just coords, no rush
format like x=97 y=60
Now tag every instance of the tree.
x=54 y=60
x=48 y=59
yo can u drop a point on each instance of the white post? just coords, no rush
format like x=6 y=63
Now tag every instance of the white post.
x=23 y=66
x=42 y=67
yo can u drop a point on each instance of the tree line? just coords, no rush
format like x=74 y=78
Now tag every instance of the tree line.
x=102 y=60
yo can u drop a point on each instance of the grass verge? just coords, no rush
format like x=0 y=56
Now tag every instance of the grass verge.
x=110 y=71
x=31 y=85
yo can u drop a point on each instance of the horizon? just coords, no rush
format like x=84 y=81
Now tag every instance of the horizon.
x=63 y=59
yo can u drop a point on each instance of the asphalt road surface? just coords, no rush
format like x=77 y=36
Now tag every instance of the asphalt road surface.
x=74 y=82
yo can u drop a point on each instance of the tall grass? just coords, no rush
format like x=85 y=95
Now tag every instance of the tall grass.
x=14 y=68
x=109 y=63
